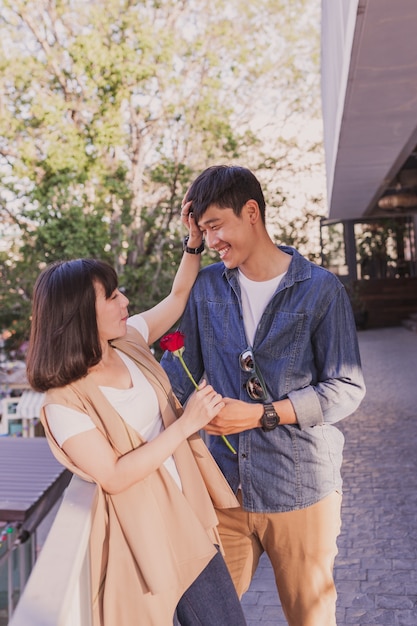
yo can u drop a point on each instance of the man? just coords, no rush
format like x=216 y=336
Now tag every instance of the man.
x=274 y=334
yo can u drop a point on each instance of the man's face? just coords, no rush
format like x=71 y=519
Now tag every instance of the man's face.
x=231 y=236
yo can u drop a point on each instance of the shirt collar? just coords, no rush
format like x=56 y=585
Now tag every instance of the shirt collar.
x=299 y=269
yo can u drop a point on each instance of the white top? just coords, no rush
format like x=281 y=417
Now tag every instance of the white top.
x=255 y=297
x=138 y=406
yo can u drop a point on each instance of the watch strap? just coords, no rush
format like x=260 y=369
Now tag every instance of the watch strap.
x=189 y=250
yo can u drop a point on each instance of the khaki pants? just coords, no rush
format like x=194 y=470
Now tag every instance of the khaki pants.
x=301 y=546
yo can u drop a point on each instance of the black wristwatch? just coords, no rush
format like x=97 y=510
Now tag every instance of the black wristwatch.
x=185 y=247
x=270 y=418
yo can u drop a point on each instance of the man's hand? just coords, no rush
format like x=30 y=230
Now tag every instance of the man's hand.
x=187 y=218
x=235 y=417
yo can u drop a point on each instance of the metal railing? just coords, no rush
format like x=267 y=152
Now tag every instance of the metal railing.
x=58 y=592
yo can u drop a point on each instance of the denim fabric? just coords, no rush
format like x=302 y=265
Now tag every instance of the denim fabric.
x=306 y=349
x=211 y=599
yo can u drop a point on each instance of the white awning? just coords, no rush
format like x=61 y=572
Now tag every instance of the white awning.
x=29 y=405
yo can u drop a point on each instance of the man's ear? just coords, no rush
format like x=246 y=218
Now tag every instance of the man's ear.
x=253 y=212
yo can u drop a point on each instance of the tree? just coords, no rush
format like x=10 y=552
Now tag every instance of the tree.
x=108 y=109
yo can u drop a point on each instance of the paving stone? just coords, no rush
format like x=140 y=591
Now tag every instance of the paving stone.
x=394 y=602
x=406 y=618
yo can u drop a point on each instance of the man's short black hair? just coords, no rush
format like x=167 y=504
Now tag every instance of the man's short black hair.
x=226 y=186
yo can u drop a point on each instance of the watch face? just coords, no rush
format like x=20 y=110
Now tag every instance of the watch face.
x=270 y=419
x=269 y=422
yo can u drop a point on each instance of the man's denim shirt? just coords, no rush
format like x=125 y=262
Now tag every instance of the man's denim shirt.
x=306 y=349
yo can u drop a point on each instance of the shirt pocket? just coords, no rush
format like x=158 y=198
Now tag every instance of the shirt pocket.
x=221 y=326
x=286 y=336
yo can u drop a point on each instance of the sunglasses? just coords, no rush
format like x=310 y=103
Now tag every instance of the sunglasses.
x=254 y=386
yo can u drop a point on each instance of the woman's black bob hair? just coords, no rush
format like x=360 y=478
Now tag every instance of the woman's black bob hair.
x=64 y=341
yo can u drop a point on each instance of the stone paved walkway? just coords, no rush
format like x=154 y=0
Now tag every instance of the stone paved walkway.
x=376 y=568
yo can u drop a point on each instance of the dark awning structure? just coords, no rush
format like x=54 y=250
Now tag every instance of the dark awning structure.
x=31 y=481
x=369 y=95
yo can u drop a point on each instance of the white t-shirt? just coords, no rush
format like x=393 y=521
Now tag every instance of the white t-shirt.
x=255 y=297
x=138 y=406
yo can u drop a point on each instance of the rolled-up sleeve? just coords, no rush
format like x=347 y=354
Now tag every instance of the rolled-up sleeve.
x=339 y=387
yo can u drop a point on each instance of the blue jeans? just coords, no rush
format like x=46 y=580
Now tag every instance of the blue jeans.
x=212 y=599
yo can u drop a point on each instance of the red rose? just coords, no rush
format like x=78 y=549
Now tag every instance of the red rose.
x=173 y=341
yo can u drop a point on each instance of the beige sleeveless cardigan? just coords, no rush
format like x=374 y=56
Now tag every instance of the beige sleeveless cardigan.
x=149 y=543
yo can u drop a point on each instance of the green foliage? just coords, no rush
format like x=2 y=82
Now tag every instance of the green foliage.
x=110 y=108
x=298 y=232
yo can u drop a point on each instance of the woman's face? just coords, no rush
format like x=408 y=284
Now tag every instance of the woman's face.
x=111 y=313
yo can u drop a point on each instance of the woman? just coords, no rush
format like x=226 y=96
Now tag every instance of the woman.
x=110 y=417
